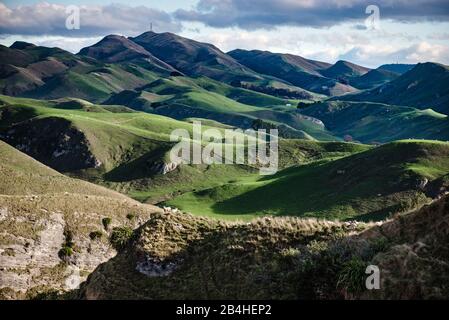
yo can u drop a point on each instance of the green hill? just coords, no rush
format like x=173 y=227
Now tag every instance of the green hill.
x=426 y=86
x=53 y=73
x=373 y=78
x=182 y=97
x=344 y=70
x=127 y=151
x=194 y=58
x=296 y=70
x=379 y=123
x=114 y=49
x=369 y=185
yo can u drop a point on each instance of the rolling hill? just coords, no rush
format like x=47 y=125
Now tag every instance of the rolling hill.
x=194 y=58
x=115 y=49
x=127 y=150
x=379 y=123
x=397 y=67
x=426 y=86
x=53 y=73
x=344 y=70
x=296 y=70
x=182 y=97
x=369 y=185
x=373 y=78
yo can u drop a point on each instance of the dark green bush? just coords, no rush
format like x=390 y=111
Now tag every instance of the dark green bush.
x=106 y=222
x=352 y=276
x=65 y=252
x=120 y=237
x=96 y=235
x=130 y=216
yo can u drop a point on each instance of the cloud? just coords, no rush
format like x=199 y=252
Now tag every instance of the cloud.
x=50 y=19
x=266 y=14
x=373 y=55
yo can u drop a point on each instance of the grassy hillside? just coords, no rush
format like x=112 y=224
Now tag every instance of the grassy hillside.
x=52 y=73
x=377 y=122
x=107 y=139
x=369 y=185
x=136 y=180
x=114 y=48
x=194 y=58
x=426 y=86
x=27 y=176
x=373 y=78
x=124 y=151
x=183 y=257
x=344 y=70
x=181 y=97
x=241 y=95
x=296 y=70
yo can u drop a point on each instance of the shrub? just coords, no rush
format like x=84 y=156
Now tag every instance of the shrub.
x=106 y=222
x=130 y=216
x=120 y=236
x=67 y=247
x=65 y=252
x=352 y=276
x=68 y=238
x=96 y=235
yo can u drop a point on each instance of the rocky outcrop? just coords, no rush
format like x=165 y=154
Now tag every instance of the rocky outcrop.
x=150 y=267
x=34 y=232
x=164 y=168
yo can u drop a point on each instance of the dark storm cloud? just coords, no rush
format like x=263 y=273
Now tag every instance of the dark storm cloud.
x=254 y=14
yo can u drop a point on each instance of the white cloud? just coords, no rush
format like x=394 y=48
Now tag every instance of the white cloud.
x=50 y=19
x=419 y=52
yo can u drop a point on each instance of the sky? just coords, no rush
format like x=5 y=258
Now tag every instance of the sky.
x=370 y=33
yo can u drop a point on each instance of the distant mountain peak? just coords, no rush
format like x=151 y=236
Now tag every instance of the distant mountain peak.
x=22 y=45
x=194 y=58
x=397 y=67
x=344 y=68
x=116 y=48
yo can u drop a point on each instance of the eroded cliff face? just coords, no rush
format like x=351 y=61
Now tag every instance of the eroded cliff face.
x=36 y=254
x=54 y=142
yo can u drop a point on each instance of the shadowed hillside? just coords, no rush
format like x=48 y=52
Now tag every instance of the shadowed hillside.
x=183 y=257
x=426 y=86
